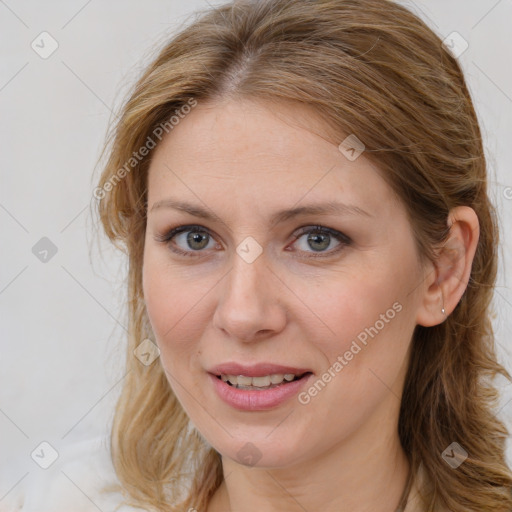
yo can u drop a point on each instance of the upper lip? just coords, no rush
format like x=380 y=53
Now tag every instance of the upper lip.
x=256 y=370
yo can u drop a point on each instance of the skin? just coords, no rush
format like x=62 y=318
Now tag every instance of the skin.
x=244 y=160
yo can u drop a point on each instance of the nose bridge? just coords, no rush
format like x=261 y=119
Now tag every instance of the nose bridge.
x=247 y=304
x=244 y=290
x=248 y=270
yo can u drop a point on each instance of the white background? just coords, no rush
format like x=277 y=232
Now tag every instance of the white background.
x=62 y=322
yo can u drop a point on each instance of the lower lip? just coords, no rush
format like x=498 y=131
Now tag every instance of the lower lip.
x=257 y=400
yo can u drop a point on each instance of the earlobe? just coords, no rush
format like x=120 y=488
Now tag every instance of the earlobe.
x=450 y=272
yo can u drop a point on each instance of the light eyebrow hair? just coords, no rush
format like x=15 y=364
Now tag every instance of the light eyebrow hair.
x=329 y=208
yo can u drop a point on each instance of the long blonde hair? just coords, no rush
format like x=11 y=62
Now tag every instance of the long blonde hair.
x=370 y=68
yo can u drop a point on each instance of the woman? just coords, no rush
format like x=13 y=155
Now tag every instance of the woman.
x=301 y=191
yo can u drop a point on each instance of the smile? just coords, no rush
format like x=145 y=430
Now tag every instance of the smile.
x=255 y=383
x=258 y=393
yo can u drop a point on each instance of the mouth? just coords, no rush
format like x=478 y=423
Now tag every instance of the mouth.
x=261 y=383
x=266 y=387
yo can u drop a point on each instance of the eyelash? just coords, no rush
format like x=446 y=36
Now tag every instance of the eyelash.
x=341 y=237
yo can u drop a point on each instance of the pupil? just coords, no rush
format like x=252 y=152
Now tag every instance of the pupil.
x=316 y=237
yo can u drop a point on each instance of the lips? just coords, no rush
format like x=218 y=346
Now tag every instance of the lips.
x=254 y=399
x=257 y=397
x=256 y=370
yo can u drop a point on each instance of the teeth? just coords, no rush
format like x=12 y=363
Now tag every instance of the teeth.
x=268 y=381
x=244 y=381
x=259 y=382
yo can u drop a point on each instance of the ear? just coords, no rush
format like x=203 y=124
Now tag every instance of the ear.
x=448 y=277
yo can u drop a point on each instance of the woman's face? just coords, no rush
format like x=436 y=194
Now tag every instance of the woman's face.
x=332 y=293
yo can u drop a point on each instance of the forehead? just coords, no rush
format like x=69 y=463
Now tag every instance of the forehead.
x=261 y=153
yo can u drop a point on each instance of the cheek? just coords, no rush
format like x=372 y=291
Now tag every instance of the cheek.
x=176 y=310
x=165 y=299
x=345 y=307
x=372 y=318
x=364 y=357
x=167 y=308
x=160 y=303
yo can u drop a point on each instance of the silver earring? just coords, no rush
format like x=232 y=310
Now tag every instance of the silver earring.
x=443 y=311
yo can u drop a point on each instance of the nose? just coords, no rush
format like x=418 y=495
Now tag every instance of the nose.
x=250 y=305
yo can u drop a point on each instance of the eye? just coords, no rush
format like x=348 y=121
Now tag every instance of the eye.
x=190 y=240
x=319 y=238
x=187 y=240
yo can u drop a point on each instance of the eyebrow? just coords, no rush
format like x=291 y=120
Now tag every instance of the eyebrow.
x=329 y=208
